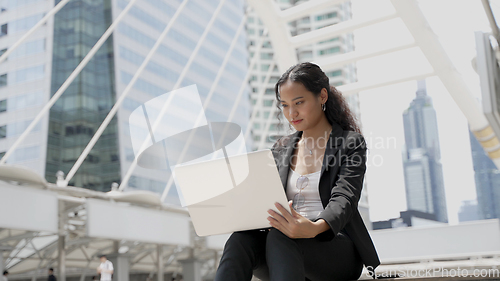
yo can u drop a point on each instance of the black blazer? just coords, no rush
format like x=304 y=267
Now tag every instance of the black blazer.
x=341 y=181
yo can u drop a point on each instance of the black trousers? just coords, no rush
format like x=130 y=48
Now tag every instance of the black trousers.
x=271 y=255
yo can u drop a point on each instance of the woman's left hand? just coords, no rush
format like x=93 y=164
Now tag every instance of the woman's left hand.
x=294 y=225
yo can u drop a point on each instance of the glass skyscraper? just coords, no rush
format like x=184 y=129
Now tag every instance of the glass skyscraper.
x=34 y=72
x=421 y=160
x=487 y=178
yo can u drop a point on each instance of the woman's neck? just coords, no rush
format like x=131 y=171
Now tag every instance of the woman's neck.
x=319 y=131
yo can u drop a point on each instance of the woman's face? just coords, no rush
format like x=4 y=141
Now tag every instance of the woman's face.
x=301 y=107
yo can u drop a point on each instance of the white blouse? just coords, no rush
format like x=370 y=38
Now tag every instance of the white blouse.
x=312 y=206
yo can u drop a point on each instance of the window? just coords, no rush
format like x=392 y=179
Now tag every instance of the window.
x=24 y=101
x=269 y=91
x=146 y=184
x=25 y=153
x=266 y=56
x=330 y=40
x=256 y=125
x=143 y=16
x=129 y=154
x=264 y=67
x=334 y=73
x=330 y=51
x=29 y=48
x=273 y=79
x=3 y=80
x=2 y=51
x=11 y=4
x=327 y=16
x=29 y=74
x=142 y=85
x=268 y=103
x=24 y=23
x=3 y=105
x=3 y=131
x=3 y=30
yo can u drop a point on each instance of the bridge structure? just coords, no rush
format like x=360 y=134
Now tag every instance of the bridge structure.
x=67 y=227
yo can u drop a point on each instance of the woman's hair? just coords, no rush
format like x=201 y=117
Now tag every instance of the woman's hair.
x=314 y=79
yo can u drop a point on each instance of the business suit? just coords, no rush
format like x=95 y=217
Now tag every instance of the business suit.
x=341 y=181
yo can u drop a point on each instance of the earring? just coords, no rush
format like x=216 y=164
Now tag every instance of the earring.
x=323 y=106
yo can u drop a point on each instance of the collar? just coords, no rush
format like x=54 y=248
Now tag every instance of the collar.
x=332 y=146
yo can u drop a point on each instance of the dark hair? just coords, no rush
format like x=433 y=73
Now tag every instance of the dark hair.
x=103 y=256
x=51 y=269
x=314 y=79
x=5 y=272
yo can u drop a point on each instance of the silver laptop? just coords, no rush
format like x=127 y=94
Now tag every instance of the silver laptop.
x=231 y=194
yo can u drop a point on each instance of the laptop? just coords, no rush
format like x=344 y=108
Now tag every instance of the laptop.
x=231 y=194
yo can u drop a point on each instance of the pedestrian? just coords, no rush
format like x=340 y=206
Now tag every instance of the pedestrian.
x=51 y=275
x=105 y=269
x=4 y=276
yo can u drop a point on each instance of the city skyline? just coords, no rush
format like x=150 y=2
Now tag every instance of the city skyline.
x=381 y=123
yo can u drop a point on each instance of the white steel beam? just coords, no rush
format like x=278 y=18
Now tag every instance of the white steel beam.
x=279 y=34
x=268 y=125
x=356 y=87
x=243 y=85
x=258 y=104
x=337 y=61
x=68 y=81
x=335 y=30
x=120 y=100
x=308 y=8
x=209 y=97
x=429 y=43
x=177 y=83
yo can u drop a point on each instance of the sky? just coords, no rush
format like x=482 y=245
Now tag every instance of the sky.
x=454 y=22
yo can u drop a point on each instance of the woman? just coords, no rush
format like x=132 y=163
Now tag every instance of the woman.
x=321 y=236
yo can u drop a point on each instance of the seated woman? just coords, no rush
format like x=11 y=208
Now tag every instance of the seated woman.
x=322 y=167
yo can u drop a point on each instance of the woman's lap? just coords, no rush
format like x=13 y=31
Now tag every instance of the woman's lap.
x=319 y=260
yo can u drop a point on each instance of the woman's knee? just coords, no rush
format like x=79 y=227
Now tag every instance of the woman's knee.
x=276 y=235
x=277 y=241
x=244 y=241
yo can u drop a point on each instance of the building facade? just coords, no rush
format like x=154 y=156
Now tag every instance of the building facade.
x=487 y=179
x=38 y=68
x=421 y=159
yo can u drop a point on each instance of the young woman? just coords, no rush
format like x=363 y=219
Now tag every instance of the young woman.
x=321 y=236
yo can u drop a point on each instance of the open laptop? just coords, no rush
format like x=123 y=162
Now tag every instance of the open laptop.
x=231 y=194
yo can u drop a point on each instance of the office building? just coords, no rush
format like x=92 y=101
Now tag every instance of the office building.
x=421 y=159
